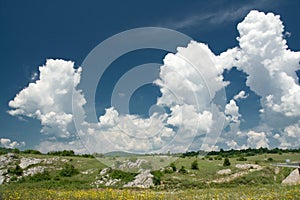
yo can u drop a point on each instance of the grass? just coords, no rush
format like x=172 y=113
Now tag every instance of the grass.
x=265 y=192
x=196 y=184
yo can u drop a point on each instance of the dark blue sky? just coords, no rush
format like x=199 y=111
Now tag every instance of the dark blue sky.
x=32 y=31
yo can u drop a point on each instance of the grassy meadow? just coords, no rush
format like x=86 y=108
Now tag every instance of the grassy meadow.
x=189 y=184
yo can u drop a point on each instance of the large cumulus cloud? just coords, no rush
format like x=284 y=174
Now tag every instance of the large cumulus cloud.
x=190 y=81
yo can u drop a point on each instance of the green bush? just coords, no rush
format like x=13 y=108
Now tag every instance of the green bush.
x=68 y=170
x=182 y=170
x=17 y=170
x=124 y=176
x=40 y=176
x=270 y=159
x=32 y=151
x=241 y=159
x=194 y=165
x=173 y=167
x=226 y=162
x=157 y=175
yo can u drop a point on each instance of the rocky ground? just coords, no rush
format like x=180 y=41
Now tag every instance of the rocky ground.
x=13 y=167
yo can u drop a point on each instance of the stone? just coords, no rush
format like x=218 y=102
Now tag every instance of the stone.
x=292 y=179
x=26 y=162
x=224 y=172
x=2 y=178
x=104 y=171
x=142 y=180
x=248 y=166
x=33 y=170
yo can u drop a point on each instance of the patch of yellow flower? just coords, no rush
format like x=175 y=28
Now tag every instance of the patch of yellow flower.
x=285 y=193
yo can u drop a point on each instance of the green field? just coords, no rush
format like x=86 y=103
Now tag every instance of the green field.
x=192 y=184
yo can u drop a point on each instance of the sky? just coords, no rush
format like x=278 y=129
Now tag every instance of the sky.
x=226 y=77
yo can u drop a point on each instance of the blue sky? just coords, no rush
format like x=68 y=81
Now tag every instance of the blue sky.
x=34 y=31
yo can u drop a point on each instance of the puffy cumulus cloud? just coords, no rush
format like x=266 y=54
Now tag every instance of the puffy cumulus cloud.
x=257 y=139
x=49 y=99
x=289 y=137
x=186 y=79
x=186 y=117
x=8 y=143
x=271 y=66
x=241 y=95
x=189 y=81
x=232 y=111
x=264 y=56
x=110 y=118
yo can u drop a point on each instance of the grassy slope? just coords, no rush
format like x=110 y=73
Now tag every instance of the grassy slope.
x=196 y=179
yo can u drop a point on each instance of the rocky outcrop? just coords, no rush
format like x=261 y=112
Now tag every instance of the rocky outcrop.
x=26 y=162
x=127 y=164
x=34 y=170
x=248 y=166
x=292 y=179
x=29 y=166
x=142 y=180
x=224 y=172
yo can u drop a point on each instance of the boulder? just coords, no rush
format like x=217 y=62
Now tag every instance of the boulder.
x=26 y=162
x=224 y=171
x=292 y=179
x=142 y=180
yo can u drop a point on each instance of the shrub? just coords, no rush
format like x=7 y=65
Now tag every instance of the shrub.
x=124 y=176
x=15 y=150
x=182 y=170
x=241 y=159
x=157 y=177
x=16 y=170
x=270 y=159
x=173 y=167
x=194 y=165
x=68 y=170
x=32 y=151
x=40 y=176
x=226 y=162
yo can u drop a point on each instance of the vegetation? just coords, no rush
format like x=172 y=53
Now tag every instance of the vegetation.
x=194 y=165
x=68 y=170
x=173 y=166
x=185 y=177
x=182 y=170
x=226 y=162
x=17 y=170
x=124 y=176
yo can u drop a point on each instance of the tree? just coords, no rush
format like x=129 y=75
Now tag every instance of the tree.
x=182 y=170
x=194 y=165
x=226 y=162
x=173 y=167
x=68 y=170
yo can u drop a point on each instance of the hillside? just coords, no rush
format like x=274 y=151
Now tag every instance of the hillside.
x=19 y=171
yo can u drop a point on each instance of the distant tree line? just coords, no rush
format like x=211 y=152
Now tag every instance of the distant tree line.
x=241 y=152
x=221 y=153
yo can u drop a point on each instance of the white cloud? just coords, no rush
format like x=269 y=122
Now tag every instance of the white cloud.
x=53 y=145
x=257 y=139
x=223 y=14
x=241 y=95
x=189 y=81
x=7 y=143
x=49 y=99
x=271 y=67
x=232 y=111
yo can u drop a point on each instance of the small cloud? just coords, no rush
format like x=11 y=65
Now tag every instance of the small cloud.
x=34 y=76
x=287 y=34
x=241 y=95
x=8 y=143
